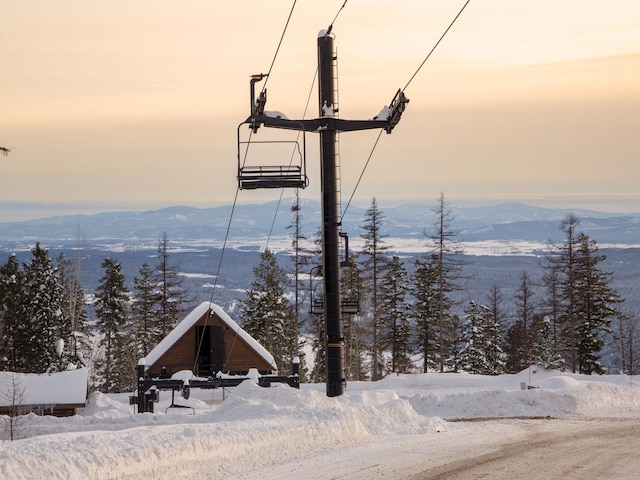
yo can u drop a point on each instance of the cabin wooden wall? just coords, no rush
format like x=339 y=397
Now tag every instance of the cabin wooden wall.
x=181 y=355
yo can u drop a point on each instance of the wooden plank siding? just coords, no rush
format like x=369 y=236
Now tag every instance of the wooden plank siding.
x=240 y=357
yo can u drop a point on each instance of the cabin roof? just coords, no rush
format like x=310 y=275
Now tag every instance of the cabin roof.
x=190 y=320
x=59 y=388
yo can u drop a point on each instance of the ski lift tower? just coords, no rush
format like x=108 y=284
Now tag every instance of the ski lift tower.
x=327 y=125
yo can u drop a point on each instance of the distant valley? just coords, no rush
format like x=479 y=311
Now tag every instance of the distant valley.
x=500 y=241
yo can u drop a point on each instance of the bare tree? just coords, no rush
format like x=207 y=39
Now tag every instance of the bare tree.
x=375 y=261
x=14 y=422
x=448 y=265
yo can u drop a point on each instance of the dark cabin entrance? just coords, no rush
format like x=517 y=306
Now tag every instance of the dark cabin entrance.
x=210 y=348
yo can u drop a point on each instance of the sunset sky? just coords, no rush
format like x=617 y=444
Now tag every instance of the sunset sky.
x=127 y=104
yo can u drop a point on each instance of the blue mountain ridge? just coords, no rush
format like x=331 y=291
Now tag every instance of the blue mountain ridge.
x=501 y=222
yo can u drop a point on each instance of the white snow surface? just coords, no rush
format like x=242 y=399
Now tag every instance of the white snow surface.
x=68 y=387
x=255 y=432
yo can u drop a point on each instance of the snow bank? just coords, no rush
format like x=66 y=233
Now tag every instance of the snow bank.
x=255 y=428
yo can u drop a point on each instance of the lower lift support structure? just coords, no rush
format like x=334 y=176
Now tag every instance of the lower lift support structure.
x=148 y=388
x=327 y=125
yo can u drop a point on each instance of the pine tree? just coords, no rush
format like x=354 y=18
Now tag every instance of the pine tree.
x=588 y=304
x=144 y=307
x=566 y=261
x=14 y=317
x=394 y=315
x=595 y=303
x=112 y=311
x=423 y=309
x=49 y=330
x=482 y=352
x=267 y=313
x=374 y=265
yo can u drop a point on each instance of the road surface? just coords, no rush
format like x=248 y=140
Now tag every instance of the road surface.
x=507 y=449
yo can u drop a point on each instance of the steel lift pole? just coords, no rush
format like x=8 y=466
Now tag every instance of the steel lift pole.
x=334 y=344
x=327 y=125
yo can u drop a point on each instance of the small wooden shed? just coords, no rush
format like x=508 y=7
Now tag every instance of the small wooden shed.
x=206 y=342
x=58 y=394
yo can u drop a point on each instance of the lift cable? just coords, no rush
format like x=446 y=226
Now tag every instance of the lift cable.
x=436 y=45
x=304 y=115
x=403 y=89
x=235 y=200
x=361 y=175
x=264 y=86
x=305 y=108
x=336 y=17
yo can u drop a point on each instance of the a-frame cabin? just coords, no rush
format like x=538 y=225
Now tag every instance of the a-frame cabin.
x=206 y=342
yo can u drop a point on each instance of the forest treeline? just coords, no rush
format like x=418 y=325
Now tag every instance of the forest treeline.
x=44 y=325
x=397 y=318
x=410 y=317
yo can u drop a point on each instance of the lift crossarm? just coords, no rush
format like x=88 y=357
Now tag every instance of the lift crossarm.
x=258 y=116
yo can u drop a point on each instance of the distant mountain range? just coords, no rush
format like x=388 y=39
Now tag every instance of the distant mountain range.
x=502 y=222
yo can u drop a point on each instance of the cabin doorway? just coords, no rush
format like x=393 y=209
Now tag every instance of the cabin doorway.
x=211 y=350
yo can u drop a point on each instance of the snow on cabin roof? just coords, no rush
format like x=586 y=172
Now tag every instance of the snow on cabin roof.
x=60 y=388
x=191 y=319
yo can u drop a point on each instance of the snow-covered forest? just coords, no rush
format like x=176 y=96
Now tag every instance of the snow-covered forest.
x=404 y=315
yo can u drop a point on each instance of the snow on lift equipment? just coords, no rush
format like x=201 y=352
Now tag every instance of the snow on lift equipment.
x=252 y=177
x=294 y=175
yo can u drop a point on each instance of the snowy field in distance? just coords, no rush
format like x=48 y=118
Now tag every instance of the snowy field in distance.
x=266 y=432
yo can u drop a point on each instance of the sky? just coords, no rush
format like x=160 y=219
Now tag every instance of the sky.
x=136 y=105
x=397 y=427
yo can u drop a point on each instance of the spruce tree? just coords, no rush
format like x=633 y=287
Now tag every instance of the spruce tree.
x=424 y=311
x=545 y=352
x=267 y=313
x=14 y=316
x=482 y=351
x=49 y=330
x=394 y=315
x=112 y=311
x=596 y=305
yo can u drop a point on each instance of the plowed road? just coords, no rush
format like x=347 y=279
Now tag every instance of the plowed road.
x=585 y=449
x=597 y=449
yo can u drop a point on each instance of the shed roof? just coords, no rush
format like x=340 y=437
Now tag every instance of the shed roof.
x=190 y=320
x=60 y=388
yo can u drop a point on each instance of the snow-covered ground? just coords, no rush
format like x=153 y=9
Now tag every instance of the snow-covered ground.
x=281 y=432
